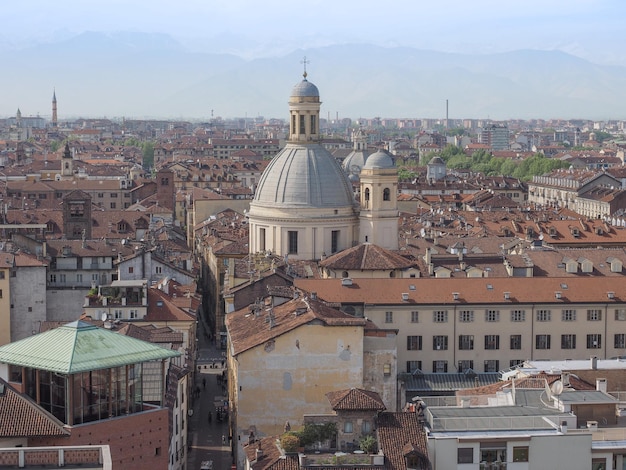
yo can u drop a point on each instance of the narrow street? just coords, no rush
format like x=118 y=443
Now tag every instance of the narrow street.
x=208 y=438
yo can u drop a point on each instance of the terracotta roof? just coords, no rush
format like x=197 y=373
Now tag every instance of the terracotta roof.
x=366 y=256
x=247 y=330
x=470 y=290
x=161 y=308
x=21 y=417
x=400 y=435
x=272 y=457
x=355 y=399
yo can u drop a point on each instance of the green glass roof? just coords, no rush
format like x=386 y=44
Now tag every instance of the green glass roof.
x=80 y=347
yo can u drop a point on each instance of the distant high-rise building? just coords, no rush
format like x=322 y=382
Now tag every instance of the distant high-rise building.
x=496 y=136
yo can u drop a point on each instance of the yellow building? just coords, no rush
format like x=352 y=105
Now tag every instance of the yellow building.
x=284 y=359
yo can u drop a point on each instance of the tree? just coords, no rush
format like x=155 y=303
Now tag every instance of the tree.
x=147 y=150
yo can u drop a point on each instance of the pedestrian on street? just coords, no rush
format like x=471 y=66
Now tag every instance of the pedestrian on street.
x=223 y=440
x=204 y=383
x=210 y=417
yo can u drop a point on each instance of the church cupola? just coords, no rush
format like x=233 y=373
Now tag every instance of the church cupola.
x=304 y=111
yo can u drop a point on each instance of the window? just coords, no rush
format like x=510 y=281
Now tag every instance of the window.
x=388 y=317
x=568 y=341
x=53 y=278
x=492 y=342
x=0 y=293
x=594 y=341
x=620 y=341
x=492 y=365
x=518 y=315
x=334 y=241
x=133 y=314
x=79 y=278
x=414 y=343
x=42 y=196
x=415 y=317
x=520 y=454
x=516 y=341
x=366 y=427
x=463 y=365
x=544 y=315
x=303 y=131
x=62 y=278
x=466 y=316
x=158 y=269
x=542 y=342
x=131 y=269
x=347 y=427
x=620 y=314
x=465 y=455
x=594 y=315
x=413 y=366
x=440 y=316
x=113 y=205
x=386 y=194
x=466 y=342
x=293 y=241
x=117 y=314
x=440 y=366
x=2 y=275
x=100 y=195
x=313 y=125
x=515 y=362
x=568 y=315
x=367 y=197
x=113 y=195
x=492 y=315
x=440 y=343
x=165 y=181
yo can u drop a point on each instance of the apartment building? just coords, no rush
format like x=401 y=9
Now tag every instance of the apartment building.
x=487 y=324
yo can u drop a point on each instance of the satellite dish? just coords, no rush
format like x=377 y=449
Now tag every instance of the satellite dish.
x=557 y=388
x=104 y=316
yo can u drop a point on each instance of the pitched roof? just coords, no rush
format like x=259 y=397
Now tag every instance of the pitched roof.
x=247 y=330
x=400 y=435
x=489 y=290
x=272 y=457
x=355 y=399
x=21 y=417
x=366 y=256
x=80 y=347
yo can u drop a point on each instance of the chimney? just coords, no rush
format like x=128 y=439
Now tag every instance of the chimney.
x=564 y=427
x=313 y=295
x=594 y=362
x=601 y=385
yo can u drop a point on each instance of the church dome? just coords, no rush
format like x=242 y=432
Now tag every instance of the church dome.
x=436 y=161
x=305 y=89
x=303 y=176
x=379 y=160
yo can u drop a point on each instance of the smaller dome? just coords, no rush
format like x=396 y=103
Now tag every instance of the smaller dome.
x=380 y=159
x=305 y=89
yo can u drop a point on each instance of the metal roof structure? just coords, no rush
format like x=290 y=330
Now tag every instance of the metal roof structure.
x=80 y=347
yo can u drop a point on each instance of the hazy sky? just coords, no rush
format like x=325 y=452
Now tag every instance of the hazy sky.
x=593 y=29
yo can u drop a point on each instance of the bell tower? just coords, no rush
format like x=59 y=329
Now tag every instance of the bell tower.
x=54 y=108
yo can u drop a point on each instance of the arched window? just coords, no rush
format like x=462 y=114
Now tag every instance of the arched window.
x=386 y=194
x=367 y=197
x=392 y=274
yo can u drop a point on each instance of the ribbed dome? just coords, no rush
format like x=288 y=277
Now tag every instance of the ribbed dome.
x=303 y=176
x=355 y=161
x=379 y=160
x=305 y=89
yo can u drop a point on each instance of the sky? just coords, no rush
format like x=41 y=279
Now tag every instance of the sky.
x=592 y=29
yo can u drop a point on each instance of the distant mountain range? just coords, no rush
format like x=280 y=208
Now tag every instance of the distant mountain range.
x=151 y=75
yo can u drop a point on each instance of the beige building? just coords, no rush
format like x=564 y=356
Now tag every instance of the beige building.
x=487 y=324
x=283 y=360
